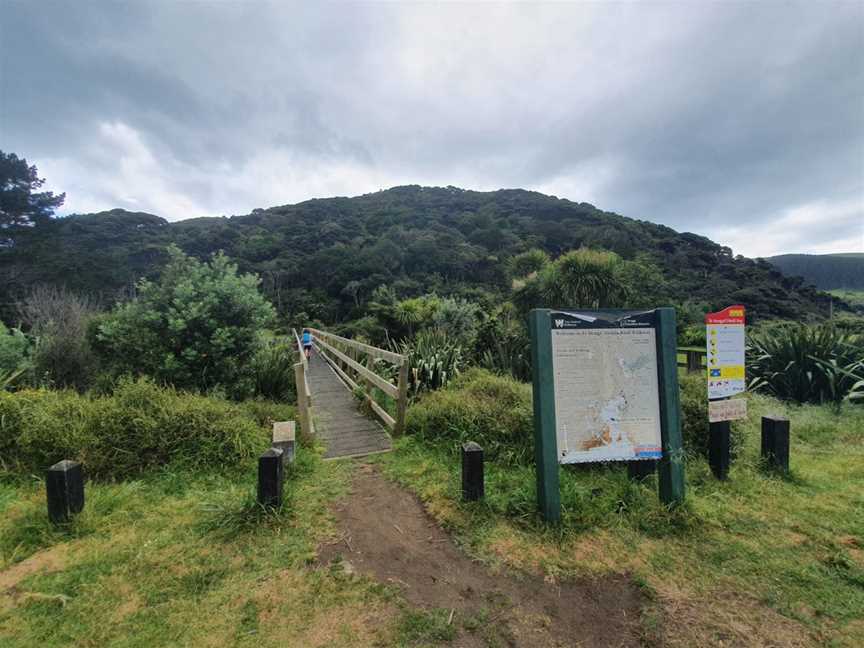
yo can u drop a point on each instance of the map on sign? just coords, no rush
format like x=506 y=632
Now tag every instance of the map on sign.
x=607 y=401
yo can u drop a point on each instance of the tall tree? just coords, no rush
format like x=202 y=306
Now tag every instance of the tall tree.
x=20 y=202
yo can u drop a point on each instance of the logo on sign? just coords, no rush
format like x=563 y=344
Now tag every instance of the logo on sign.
x=559 y=323
x=715 y=373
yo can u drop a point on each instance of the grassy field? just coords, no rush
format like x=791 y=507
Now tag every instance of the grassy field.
x=174 y=559
x=757 y=561
x=854 y=297
x=178 y=560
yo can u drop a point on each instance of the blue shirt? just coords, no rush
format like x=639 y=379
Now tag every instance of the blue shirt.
x=307 y=338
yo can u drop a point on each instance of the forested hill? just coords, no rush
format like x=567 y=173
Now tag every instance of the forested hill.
x=826 y=271
x=324 y=257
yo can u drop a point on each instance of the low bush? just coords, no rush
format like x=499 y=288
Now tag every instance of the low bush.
x=138 y=427
x=494 y=411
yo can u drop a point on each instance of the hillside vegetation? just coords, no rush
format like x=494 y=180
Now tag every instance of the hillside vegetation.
x=322 y=259
x=825 y=271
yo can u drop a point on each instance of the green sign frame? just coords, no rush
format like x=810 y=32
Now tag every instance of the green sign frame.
x=670 y=466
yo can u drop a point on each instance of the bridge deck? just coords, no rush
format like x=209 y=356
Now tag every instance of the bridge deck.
x=338 y=423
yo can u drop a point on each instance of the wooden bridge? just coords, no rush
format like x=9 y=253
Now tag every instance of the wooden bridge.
x=341 y=375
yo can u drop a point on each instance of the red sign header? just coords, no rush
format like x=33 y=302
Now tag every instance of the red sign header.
x=729 y=315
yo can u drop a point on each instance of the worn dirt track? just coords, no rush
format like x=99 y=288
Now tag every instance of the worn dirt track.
x=388 y=535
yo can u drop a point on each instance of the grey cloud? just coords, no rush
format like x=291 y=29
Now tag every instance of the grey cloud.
x=703 y=113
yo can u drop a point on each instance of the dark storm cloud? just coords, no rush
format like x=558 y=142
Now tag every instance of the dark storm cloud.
x=724 y=119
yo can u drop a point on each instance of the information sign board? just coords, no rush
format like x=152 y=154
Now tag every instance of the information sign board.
x=727 y=410
x=725 y=346
x=607 y=402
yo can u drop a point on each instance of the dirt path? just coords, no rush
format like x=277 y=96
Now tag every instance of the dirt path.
x=389 y=536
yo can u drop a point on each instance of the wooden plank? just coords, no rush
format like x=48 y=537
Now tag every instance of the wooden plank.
x=388 y=388
x=375 y=352
x=283 y=431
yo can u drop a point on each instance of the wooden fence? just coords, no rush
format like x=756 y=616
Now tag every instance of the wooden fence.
x=304 y=394
x=347 y=359
x=693 y=358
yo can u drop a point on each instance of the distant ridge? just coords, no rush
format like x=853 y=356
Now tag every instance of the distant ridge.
x=841 y=271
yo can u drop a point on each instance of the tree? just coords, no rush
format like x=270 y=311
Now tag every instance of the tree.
x=20 y=203
x=197 y=327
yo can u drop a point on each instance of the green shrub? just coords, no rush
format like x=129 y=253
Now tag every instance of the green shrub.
x=139 y=426
x=196 y=328
x=806 y=364
x=479 y=406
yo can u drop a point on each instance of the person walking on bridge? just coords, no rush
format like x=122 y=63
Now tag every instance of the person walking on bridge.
x=307 y=343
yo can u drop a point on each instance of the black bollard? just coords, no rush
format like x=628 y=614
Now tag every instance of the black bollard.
x=719 y=448
x=638 y=470
x=775 y=442
x=64 y=484
x=270 y=478
x=472 y=472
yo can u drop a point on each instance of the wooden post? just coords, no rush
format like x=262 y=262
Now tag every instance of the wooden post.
x=472 y=472
x=719 y=448
x=302 y=401
x=270 y=478
x=284 y=439
x=64 y=486
x=545 y=441
x=639 y=470
x=402 y=399
x=671 y=466
x=775 y=442
x=694 y=364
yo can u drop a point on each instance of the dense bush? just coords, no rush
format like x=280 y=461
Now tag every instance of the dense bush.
x=197 y=327
x=137 y=428
x=806 y=364
x=494 y=411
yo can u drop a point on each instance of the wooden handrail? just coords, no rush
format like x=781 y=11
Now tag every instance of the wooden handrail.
x=328 y=346
x=375 y=352
x=304 y=393
x=388 y=388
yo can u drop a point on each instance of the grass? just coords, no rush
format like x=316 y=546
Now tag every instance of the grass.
x=174 y=558
x=757 y=559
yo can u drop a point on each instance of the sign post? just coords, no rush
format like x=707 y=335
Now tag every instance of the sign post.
x=605 y=389
x=725 y=346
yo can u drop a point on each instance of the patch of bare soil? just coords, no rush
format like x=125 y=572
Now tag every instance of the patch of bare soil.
x=389 y=536
x=48 y=560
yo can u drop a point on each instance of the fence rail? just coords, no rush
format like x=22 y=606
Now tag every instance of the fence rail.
x=345 y=355
x=304 y=394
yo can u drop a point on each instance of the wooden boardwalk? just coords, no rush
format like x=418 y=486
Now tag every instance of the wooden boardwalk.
x=338 y=423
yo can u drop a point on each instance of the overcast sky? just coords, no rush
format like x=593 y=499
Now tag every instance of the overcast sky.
x=740 y=121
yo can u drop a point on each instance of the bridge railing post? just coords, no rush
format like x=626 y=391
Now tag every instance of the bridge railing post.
x=402 y=399
x=302 y=398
